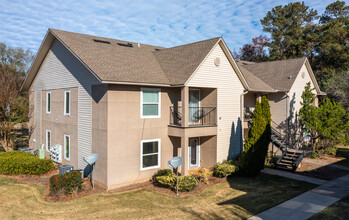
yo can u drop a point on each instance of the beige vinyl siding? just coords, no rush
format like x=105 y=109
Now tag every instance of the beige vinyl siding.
x=278 y=109
x=295 y=93
x=62 y=70
x=37 y=119
x=229 y=90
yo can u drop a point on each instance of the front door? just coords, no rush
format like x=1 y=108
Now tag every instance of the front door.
x=194 y=153
x=194 y=106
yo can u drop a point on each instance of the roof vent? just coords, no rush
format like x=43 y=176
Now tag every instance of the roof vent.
x=101 y=41
x=139 y=44
x=125 y=45
x=157 y=49
x=289 y=77
x=217 y=61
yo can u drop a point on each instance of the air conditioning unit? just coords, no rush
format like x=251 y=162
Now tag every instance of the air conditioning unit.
x=56 y=153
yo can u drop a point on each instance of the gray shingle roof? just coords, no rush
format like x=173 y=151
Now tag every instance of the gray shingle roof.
x=279 y=75
x=179 y=63
x=144 y=64
x=112 y=62
x=254 y=83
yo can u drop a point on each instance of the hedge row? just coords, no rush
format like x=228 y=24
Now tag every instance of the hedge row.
x=18 y=162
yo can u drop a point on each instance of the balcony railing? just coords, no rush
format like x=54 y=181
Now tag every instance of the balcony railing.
x=197 y=116
x=248 y=113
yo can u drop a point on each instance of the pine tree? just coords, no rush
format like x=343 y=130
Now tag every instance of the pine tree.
x=292 y=30
x=332 y=44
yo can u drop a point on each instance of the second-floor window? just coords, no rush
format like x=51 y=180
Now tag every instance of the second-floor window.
x=48 y=102
x=150 y=103
x=67 y=102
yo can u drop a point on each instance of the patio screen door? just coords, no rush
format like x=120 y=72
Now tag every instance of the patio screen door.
x=194 y=110
x=194 y=153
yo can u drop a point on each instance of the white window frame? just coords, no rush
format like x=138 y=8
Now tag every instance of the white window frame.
x=158 y=153
x=65 y=102
x=47 y=111
x=159 y=103
x=48 y=131
x=66 y=158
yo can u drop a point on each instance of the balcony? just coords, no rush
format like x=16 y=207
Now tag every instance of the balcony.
x=197 y=116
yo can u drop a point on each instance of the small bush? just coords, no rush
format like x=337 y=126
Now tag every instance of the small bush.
x=270 y=161
x=165 y=178
x=67 y=183
x=314 y=155
x=202 y=176
x=186 y=183
x=165 y=181
x=331 y=151
x=223 y=169
x=162 y=172
x=18 y=162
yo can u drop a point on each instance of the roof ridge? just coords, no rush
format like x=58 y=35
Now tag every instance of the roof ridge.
x=196 y=42
x=273 y=61
x=52 y=29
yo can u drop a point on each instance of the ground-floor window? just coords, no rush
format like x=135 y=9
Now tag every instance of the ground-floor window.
x=150 y=154
x=48 y=140
x=67 y=147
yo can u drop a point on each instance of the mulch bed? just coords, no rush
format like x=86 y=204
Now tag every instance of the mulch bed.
x=201 y=186
x=43 y=181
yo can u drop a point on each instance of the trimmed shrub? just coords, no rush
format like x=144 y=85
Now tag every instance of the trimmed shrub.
x=165 y=178
x=66 y=184
x=223 y=169
x=18 y=162
x=165 y=181
x=186 y=183
x=202 y=176
x=162 y=172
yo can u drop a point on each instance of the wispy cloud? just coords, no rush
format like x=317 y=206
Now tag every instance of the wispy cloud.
x=156 y=22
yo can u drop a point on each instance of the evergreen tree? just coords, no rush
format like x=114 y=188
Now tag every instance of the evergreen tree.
x=292 y=30
x=257 y=141
x=332 y=45
x=327 y=123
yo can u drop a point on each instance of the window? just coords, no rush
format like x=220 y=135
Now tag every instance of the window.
x=48 y=140
x=150 y=103
x=48 y=102
x=67 y=102
x=67 y=147
x=150 y=154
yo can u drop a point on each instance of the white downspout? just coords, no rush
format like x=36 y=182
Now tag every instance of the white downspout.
x=242 y=103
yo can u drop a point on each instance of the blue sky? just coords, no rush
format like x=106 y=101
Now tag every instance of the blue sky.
x=158 y=22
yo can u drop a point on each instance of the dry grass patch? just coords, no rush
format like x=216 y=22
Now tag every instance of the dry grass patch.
x=236 y=198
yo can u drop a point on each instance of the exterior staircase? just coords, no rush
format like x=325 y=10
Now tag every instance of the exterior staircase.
x=292 y=154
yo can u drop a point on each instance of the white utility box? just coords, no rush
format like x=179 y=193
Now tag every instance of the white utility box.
x=56 y=153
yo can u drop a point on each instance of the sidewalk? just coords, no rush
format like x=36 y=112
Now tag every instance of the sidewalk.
x=294 y=176
x=308 y=203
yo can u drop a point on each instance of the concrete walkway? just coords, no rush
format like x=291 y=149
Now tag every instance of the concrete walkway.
x=308 y=203
x=294 y=176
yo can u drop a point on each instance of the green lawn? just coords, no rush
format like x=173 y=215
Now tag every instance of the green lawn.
x=339 y=210
x=343 y=152
x=236 y=198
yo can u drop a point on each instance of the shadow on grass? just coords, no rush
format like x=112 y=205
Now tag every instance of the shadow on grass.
x=259 y=194
x=343 y=152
